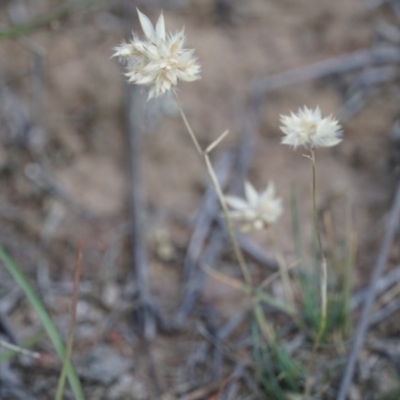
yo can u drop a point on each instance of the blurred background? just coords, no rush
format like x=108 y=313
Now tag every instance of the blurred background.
x=66 y=164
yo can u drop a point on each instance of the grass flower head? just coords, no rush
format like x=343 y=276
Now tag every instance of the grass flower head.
x=307 y=128
x=159 y=60
x=258 y=210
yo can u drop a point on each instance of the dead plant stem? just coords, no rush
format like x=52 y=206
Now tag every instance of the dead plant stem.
x=218 y=189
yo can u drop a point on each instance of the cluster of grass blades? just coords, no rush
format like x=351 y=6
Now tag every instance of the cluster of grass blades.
x=46 y=320
x=279 y=375
x=341 y=261
x=341 y=267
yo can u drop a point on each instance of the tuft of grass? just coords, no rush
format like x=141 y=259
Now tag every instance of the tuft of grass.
x=341 y=261
x=307 y=281
x=278 y=374
x=46 y=320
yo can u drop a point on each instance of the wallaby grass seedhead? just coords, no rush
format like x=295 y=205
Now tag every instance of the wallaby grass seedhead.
x=258 y=210
x=160 y=60
x=307 y=128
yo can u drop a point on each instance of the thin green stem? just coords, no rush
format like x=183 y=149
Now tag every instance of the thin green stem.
x=263 y=324
x=71 y=334
x=324 y=280
x=261 y=296
x=314 y=202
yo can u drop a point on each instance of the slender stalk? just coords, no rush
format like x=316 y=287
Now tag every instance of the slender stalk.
x=218 y=189
x=266 y=330
x=191 y=133
x=324 y=280
x=71 y=334
x=229 y=225
x=283 y=271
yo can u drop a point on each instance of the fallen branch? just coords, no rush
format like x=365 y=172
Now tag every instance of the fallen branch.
x=391 y=229
x=146 y=317
x=338 y=65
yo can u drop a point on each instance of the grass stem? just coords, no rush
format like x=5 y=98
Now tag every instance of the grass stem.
x=324 y=281
x=221 y=198
x=71 y=334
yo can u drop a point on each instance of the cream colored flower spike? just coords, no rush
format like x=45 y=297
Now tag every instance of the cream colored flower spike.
x=307 y=128
x=159 y=60
x=258 y=210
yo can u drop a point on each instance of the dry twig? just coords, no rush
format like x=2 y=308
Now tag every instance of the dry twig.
x=146 y=317
x=383 y=284
x=195 y=253
x=349 y=62
x=391 y=229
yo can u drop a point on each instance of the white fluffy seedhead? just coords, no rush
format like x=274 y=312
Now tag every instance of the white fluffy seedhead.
x=307 y=128
x=159 y=61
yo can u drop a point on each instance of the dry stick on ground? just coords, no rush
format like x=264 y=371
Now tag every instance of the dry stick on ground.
x=232 y=387
x=17 y=349
x=254 y=251
x=212 y=252
x=388 y=348
x=346 y=63
x=204 y=222
x=210 y=256
x=206 y=215
x=383 y=284
x=147 y=316
x=248 y=138
x=37 y=134
x=391 y=229
x=362 y=90
x=385 y=312
x=214 y=342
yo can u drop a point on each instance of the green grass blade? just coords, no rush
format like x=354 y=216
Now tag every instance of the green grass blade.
x=266 y=298
x=47 y=322
x=71 y=334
